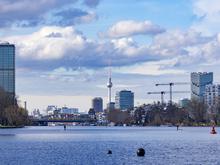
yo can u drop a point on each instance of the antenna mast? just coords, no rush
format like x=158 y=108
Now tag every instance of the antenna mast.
x=109 y=84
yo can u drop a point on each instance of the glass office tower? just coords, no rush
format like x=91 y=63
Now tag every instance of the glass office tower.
x=7 y=67
x=124 y=100
x=199 y=80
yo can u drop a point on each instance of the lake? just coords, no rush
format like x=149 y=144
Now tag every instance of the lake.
x=89 y=145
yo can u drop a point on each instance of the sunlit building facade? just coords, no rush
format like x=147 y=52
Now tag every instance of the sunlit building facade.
x=199 y=80
x=212 y=95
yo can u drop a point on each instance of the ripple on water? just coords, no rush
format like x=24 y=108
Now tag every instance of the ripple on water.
x=89 y=145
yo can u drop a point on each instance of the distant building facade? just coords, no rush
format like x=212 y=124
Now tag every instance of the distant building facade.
x=101 y=118
x=7 y=67
x=183 y=103
x=124 y=100
x=97 y=104
x=51 y=109
x=55 y=112
x=36 y=114
x=212 y=94
x=199 y=80
x=69 y=111
x=110 y=106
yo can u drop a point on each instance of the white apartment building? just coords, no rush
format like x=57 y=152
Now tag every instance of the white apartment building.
x=212 y=94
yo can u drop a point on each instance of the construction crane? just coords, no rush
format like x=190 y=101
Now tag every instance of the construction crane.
x=161 y=93
x=172 y=84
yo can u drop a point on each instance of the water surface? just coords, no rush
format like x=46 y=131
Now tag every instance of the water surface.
x=89 y=145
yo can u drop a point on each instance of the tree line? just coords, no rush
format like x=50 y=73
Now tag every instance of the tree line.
x=10 y=112
x=196 y=113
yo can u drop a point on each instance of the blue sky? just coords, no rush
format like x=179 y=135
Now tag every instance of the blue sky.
x=63 y=48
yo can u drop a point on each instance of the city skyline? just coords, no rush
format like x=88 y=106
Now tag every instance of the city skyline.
x=63 y=48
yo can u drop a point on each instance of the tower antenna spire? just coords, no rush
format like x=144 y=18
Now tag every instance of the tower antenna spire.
x=109 y=84
x=110 y=68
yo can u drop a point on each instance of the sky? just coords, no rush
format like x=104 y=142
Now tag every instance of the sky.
x=64 y=48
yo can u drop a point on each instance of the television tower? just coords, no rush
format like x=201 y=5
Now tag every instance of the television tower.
x=109 y=86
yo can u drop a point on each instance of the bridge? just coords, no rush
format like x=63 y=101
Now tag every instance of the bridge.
x=44 y=122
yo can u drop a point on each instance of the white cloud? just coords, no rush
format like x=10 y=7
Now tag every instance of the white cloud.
x=188 y=47
x=127 y=46
x=208 y=52
x=208 y=15
x=124 y=43
x=55 y=47
x=130 y=27
x=152 y=68
x=174 y=42
x=48 y=43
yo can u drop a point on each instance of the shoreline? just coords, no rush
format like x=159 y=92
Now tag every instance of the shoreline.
x=11 y=127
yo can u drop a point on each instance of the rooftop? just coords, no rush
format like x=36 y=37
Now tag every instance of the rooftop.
x=202 y=73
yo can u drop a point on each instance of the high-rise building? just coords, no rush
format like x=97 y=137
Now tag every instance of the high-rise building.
x=7 y=67
x=124 y=100
x=212 y=94
x=199 y=80
x=97 y=104
x=109 y=86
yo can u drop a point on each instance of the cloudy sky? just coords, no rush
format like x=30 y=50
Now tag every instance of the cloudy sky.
x=64 y=48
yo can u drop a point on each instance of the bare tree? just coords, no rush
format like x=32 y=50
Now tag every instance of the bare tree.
x=198 y=111
x=10 y=113
x=119 y=117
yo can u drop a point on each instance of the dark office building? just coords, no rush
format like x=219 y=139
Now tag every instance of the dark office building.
x=7 y=67
x=97 y=104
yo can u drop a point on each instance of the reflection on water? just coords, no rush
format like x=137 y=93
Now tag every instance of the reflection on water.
x=5 y=134
x=89 y=145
